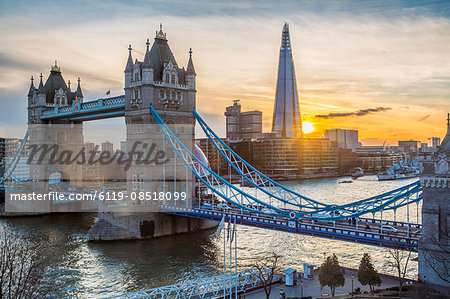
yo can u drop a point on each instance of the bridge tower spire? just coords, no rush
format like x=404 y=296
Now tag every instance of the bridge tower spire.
x=190 y=71
x=41 y=86
x=147 y=65
x=32 y=88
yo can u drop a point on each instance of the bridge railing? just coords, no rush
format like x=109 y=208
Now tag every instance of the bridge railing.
x=205 y=288
x=390 y=222
x=343 y=233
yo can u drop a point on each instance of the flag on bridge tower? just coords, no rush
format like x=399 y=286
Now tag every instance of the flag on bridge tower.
x=220 y=227
x=108 y=92
x=233 y=232
x=228 y=229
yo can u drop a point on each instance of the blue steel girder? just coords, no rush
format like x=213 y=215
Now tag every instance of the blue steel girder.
x=256 y=178
x=389 y=200
x=210 y=287
x=212 y=180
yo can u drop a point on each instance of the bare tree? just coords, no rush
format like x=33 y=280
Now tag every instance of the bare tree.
x=436 y=253
x=267 y=266
x=399 y=260
x=22 y=267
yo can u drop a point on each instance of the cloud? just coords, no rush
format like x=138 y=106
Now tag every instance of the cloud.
x=347 y=55
x=361 y=112
x=424 y=118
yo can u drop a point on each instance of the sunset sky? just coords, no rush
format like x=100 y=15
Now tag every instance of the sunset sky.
x=382 y=67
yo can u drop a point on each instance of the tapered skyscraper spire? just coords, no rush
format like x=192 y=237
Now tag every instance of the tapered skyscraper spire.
x=286 y=112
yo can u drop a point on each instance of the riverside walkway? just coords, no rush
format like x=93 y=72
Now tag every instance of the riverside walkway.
x=312 y=287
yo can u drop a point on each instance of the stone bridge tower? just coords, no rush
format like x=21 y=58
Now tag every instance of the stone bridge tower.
x=67 y=135
x=156 y=81
x=170 y=89
x=434 y=246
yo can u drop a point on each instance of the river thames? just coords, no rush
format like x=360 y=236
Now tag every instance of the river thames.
x=102 y=269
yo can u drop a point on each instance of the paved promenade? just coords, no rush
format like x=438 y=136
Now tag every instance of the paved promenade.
x=312 y=287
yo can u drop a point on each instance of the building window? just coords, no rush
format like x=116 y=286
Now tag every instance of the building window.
x=136 y=94
x=134 y=181
x=167 y=78
x=138 y=180
x=172 y=79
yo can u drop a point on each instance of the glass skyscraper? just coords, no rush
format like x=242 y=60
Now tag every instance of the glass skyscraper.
x=286 y=112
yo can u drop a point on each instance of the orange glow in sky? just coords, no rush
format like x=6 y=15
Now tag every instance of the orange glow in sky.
x=383 y=73
x=307 y=127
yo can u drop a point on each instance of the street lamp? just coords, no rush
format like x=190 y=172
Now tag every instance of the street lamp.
x=353 y=276
x=301 y=285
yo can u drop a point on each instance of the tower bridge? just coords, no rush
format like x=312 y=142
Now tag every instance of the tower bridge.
x=159 y=105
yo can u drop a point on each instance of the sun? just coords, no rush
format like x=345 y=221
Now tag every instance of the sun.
x=307 y=127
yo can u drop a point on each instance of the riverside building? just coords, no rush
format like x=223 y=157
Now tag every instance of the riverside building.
x=242 y=125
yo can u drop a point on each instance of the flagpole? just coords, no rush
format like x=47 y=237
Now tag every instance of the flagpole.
x=224 y=263
x=235 y=256
x=231 y=262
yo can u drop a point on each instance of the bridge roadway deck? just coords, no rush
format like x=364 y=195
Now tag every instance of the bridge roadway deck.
x=96 y=109
x=342 y=230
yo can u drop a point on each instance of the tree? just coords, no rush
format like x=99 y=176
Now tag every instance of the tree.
x=267 y=266
x=399 y=260
x=367 y=275
x=330 y=274
x=22 y=267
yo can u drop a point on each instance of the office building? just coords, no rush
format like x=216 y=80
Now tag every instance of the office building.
x=242 y=125
x=410 y=147
x=286 y=113
x=435 y=142
x=347 y=161
x=108 y=147
x=287 y=158
x=346 y=139
x=374 y=159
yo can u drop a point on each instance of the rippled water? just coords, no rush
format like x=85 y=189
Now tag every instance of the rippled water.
x=112 y=268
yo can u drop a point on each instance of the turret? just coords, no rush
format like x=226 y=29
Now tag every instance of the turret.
x=190 y=72
x=32 y=88
x=445 y=144
x=41 y=86
x=36 y=101
x=78 y=92
x=31 y=101
x=40 y=93
x=147 y=68
x=129 y=68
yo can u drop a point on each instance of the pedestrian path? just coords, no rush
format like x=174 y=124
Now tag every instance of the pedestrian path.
x=312 y=287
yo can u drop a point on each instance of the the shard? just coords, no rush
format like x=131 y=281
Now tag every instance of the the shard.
x=286 y=112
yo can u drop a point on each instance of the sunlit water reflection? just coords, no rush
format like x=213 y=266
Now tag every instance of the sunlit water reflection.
x=82 y=269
